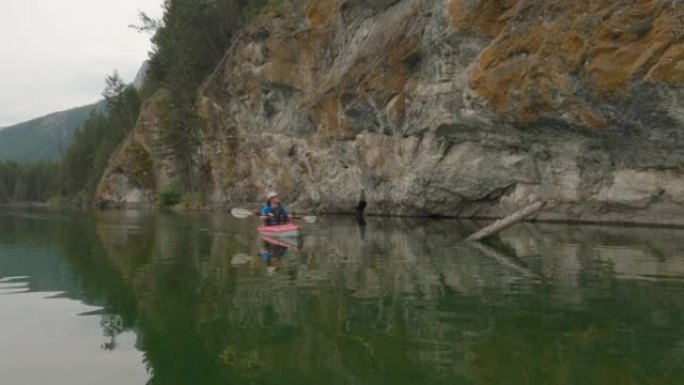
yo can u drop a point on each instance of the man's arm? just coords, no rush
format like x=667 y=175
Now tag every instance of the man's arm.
x=266 y=213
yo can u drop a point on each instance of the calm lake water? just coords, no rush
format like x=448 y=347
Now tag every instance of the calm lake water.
x=136 y=298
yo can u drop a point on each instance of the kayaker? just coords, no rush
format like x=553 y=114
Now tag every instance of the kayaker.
x=274 y=213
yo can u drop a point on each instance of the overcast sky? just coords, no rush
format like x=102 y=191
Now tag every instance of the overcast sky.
x=55 y=54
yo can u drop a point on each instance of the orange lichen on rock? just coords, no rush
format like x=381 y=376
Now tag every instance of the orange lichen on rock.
x=481 y=16
x=560 y=58
x=380 y=71
x=575 y=49
x=322 y=12
x=635 y=40
x=328 y=115
x=391 y=74
x=287 y=63
x=584 y=116
x=295 y=57
x=516 y=74
x=670 y=68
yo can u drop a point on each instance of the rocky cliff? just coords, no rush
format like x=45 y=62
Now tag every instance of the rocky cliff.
x=458 y=108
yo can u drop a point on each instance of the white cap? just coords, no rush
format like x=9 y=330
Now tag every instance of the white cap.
x=272 y=195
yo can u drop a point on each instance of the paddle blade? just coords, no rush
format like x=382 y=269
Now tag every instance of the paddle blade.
x=241 y=213
x=309 y=219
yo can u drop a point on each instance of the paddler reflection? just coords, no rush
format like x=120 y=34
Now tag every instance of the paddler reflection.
x=273 y=252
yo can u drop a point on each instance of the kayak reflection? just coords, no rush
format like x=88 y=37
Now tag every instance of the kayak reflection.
x=273 y=250
x=401 y=301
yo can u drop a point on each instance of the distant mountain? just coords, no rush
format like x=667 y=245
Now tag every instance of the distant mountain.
x=43 y=138
x=46 y=138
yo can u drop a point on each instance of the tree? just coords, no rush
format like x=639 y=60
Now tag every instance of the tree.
x=188 y=43
x=20 y=183
x=115 y=86
x=86 y=159
x=148 y=24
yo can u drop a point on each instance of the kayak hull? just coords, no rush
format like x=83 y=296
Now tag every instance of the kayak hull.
x=287 y=230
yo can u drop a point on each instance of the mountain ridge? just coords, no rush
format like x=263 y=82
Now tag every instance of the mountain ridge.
x=44 y=138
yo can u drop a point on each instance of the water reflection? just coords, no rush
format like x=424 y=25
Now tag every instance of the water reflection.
x=402 y=301
x=49 y=338
x=387 y=301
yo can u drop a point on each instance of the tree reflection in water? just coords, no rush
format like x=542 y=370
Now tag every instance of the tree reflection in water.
x=392 y=301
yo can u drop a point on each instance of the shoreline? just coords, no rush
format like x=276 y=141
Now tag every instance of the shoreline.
x=542 y=217
x=25 y=205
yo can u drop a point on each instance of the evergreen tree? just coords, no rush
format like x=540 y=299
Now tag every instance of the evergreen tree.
x=21 y=183
x=96 y=140
x=188 y=44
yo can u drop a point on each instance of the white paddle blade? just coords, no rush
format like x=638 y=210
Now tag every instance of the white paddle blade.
x=240 y=259
x=241 y=213
x=309 y=219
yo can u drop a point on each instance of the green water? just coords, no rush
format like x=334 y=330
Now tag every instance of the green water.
x=135 y=298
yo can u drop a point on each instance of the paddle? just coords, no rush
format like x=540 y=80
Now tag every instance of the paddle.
x=242 y=213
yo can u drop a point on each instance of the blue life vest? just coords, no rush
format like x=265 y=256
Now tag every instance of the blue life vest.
x=279 y=215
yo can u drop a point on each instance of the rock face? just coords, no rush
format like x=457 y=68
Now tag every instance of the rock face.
x=458 y=108
x=140 y=164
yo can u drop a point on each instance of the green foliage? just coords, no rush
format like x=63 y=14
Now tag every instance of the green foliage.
x=102 y=127
x=169 y=195
x=272 y=7
x=141 y=164
x=191 y=39
x=192 y=201
x=229 y=181
x=115 y=87
x=188 y=44
x=96 y=140
x=57 y=201
x=22 y=183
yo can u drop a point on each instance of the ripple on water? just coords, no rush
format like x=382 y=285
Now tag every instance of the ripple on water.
x=49 y=338
x=13 y=285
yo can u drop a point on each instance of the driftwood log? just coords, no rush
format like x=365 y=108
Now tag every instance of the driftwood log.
x=507 y=222
x=502 y=259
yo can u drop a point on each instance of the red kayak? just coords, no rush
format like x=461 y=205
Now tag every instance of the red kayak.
x=287 y=230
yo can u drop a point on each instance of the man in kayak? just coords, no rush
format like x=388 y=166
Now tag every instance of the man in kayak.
x=273 y=213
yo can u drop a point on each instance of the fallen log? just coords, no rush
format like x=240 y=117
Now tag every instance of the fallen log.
x=502 y=259
x=507 y=222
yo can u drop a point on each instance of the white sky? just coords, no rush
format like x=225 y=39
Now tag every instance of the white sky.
x=55 y=54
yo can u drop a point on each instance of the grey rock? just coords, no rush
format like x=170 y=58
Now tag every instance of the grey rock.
x=380 y=101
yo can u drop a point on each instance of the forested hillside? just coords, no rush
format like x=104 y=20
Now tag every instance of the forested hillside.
x=27 y=182
x=78 y=171
x=188 y=43
x=45 y=138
